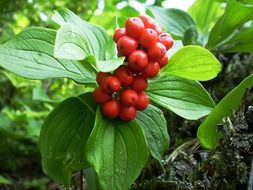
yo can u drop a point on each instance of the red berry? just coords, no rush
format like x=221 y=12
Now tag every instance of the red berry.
x=128 y=97
x=100 y=77
x=118 y=34
x=111 y=109
x=151 y=70
x=148 y=37
x=166 y=40
x=110 y=84
x=125 y=75
x=158 y=28
x=134 y=27
x=127 y=113
x=143 y=101
x=139 y=84
x=100 y=96
x=138 y=60
x=126 y=45
x=148 y=21
x=157 y=51
x=164 y=61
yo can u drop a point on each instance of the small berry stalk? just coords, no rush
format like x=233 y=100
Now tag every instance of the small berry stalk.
x=122 y=93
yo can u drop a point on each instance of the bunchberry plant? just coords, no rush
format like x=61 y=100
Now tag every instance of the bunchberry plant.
x=114 y=139
x=144 y=46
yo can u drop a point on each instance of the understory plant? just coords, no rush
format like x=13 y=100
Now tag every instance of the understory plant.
x=76 y=135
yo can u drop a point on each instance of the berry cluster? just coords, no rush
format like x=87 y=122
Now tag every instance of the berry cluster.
x=144 y=45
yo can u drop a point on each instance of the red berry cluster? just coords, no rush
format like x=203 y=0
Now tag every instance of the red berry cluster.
x=144 y=45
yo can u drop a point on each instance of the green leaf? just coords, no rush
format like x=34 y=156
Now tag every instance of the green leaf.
x=175 y=21
x=3 y=180
x=117 y=151
x=91 y=179
x=241 y=41
x=186 y=98
x=154 y=125
x=76 y=39
x=194 y=63
x=208 y=133
x=236 y=14
x=110 y=65
x=63 y=137
x=191 y=36
x=205 y=13
x=30 y=55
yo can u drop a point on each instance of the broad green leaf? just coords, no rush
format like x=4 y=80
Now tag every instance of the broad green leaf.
x=30 y=55
x=236 y=14
x=63 y=137
x=191 y=36
x=205 y=13
x=117 y=151
x=3 y=180
x=208 y=133
x=241 y=41
x=76 y=39
x=186 y=98
x=91 y=179
x=194 y=63
x=154 y=125
x=175 y=21
x=110 y=65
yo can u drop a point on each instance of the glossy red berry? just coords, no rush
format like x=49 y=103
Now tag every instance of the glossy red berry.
x=110 y=84
x=157 y=51
x=134 y=27
x=111 y=109
x=100 y=97
x=166 y=40
x=158 y=28
x=118 y=34
x=128 y=97
x=148 y=37
x=100 y=77
x=138 y=60
x=148 y=21
x=126 y=45
x=139 y=84
x=164 y=61
x=151 y=70
x=143 y=101
x=125 y=75
x=127 y=113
